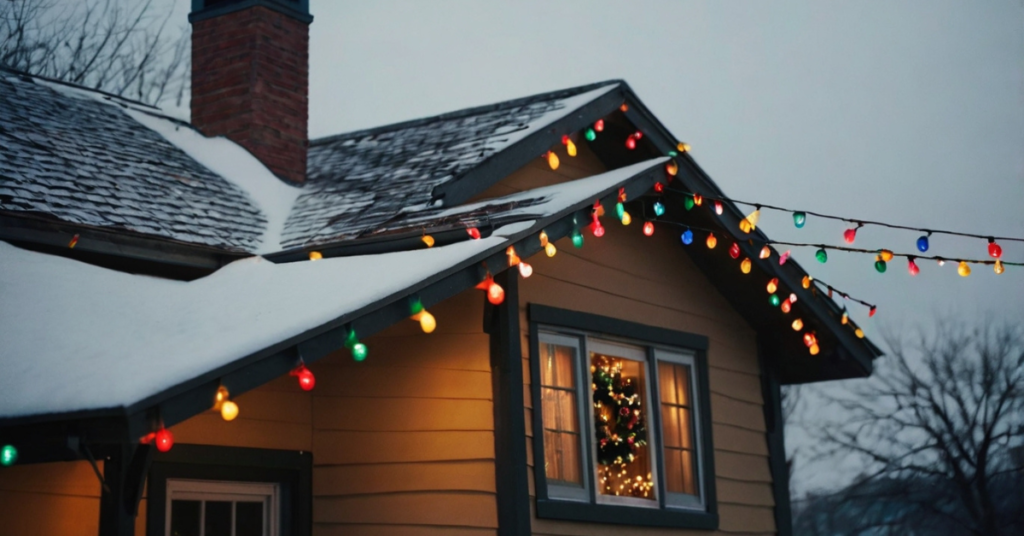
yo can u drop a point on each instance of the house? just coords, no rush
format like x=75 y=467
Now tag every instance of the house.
x=442 y=326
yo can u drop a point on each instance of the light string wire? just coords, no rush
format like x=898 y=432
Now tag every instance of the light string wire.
x=856 y=221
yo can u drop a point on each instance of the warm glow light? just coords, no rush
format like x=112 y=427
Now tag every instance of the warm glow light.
x=428 y=240
x=745 y=266
x=631 y=143
x=845 y=318
x=163 y=440
x=315 y=255
x=718 y=208
x=885 y=254
x=672 y=168
x=552 y=160
x=773 y=285
x=814 y=349
x=765 y=252
x=220 y=397
x=806 y=281
x=513 y=259
x=570 y=147
x=683 y=147
x=859 y=333
x=712 y=241
x=626 y=218
x=810 y=339
x=798 y=325
x=786 y=306
x=648 y=228
x=306 y=378
x=550 y=250
x=598 y=229
x=427 y=321
x=228 y=410
x=495 y=294
x=698 y=199
x=792 y=297
x=525 y=270
x=998 y=268
x=963 y=269
x=543 y=237
x=749 y=223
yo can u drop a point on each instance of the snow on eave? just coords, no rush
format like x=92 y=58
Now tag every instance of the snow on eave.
x=78 y=337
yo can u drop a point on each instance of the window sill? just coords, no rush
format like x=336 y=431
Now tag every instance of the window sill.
x=625 y=515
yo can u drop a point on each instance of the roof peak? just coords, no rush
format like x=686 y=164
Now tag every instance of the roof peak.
x=465 y=112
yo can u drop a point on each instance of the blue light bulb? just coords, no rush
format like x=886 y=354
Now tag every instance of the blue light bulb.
x=687 y=237
x=922 y=244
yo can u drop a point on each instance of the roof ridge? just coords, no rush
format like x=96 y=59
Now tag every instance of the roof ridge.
x=465 y=112
x=73 y=85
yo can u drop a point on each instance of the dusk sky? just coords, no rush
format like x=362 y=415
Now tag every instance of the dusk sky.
x=910 y=112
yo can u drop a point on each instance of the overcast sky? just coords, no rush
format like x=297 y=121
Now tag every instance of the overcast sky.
x=910 y=112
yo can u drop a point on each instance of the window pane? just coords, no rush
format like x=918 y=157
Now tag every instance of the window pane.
x=559 y=415
x=621 y=418
x=185 y=518
x=249 y=519
x=218 y=518
x=677 y=428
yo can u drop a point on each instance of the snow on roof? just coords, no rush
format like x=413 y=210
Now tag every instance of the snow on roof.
x=79 y=337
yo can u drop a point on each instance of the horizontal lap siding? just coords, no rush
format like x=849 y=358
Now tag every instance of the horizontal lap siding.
x=403 y=443
x=652 y=281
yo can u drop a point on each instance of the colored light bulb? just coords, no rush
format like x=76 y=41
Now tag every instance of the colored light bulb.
x=749 y=223
x=637 y=134
x=163 y=440
x=912 y=267
x=786 y=306
x=688 y=202
x=228 y=410
x=765 y=252
x=359 y=351
x=552 y=160
x=543 y=237
x=513 y=258
x=577 y=239
x=590 y=135
x=474 y=233
x=648 y=229
x=774 y=300
x=797 y=325
x=994 y=250
x=631 y=143
x=792 y=297
x=315 y=255
x=734 y=250
x=799 y=219
x=963 y=269
x=712 y=241
x=626 y=218
x=845 y=318
x=814 y=349
x=525 y=270
x=659 y=209
x=922 y=244
x=998 y=268
x=495 y=294
x=885 y=255
x=698 y=199
x=718 y=208
x=806 y=281
x=624 y=107
x=872 y=311
x=220 y=397
x=773 y=285
x=73 y=242
x=783 y=258
x=620 y=209
x=427 y=321
x=428 y=240
x=550 y=250
x=850 y=235
x=672 y=168
x=599 y=125
x=306 y=378
x=880 y=266
x=859 y=333
x=809 y=339
x=745 y=266
x=821 y=255
x=570 y=148
x=687 y=237
x=659 y=187
x=8 y=455
x=683 y=147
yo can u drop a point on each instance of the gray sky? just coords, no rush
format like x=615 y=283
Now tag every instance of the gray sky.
x=910 y=112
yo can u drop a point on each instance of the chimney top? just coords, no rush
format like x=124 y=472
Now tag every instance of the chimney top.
x=207 y=9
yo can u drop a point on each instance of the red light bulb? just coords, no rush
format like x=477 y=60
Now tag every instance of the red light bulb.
x=718 y=208
x=599 y=125
x=786 y=306
x=734 y=250
x=631 y=143
x=495 y=294
x=474 y=233
x=306 y=379
x=565 y=139
x=659 y=187
x=872 y=311
x=163 y=440
x=648 y=229
x=598 y=230
x=638 y=134
x=994 y=250
x=912 y=267
x=850 y=235
x=809 y=339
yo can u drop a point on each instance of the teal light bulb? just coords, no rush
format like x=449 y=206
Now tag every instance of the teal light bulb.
x=620 y=209
x=799 y=219
x=659 y=209
x=880 y=266
x=774 y=300
x=8 y=455
x=577 y=239
x=821 y=255
x=590 y=134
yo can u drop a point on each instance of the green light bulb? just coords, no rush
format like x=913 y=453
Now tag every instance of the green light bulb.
x=577 y=239
x=880 y=266
x=799 y=219
x=821 y=255
x=8 y=455
x=673 y=153
x=590 y=134
x=774 y=300
x=620 y=209
x=688 y=202
x=359 y=351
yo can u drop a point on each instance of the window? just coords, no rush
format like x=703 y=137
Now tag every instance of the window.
x=623 y=425
x=217 y=508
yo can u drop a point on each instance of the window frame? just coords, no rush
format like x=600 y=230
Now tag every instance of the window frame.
x=291 y=472
x=190 y=489
x=658 y=343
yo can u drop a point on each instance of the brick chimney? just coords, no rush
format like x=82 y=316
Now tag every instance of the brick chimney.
x=250 y=78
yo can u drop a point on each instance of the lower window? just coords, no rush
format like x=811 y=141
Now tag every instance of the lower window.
x=623 y=421
x=218 y=508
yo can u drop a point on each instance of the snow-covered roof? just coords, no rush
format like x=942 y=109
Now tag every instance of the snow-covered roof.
x=79 y=337
x=87 y=158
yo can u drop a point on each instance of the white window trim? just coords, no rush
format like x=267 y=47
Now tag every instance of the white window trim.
x=565 y=491
x=689 y=359
x=218 y=490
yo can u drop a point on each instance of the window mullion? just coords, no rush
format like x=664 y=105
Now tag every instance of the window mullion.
x=587 y=416
x=658 y=442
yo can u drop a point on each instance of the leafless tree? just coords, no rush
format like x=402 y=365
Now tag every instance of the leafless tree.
x=939 y=429
x=122 y=47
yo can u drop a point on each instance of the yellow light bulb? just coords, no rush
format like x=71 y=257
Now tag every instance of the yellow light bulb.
x=428 y=240
x=859 y=333
x=806 y=281
x=570 y=147
x=550 y=249
x=815 y=349
x=626 y=218
x=750 y=222
x=963 y=269
x=886 y=255
x=672 y=168
x=543 y=239
x=798 y=324
x=745 y=266
x=228 y=410
x=427 y=322
x=998 y=268
x=712 y=241
x=766 y=252
x=315 y=255
x=845 y=318
x=220 y=397
x=683 y=147
x=552 y=160
x=773 y=285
